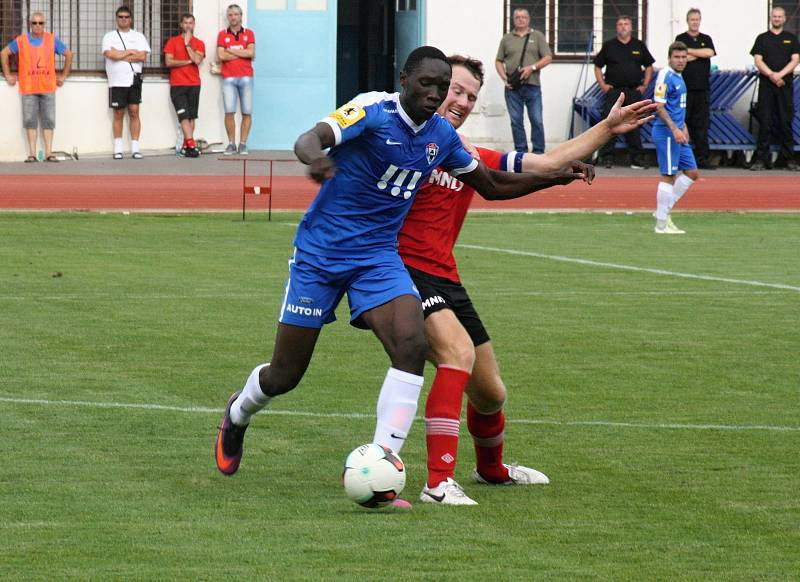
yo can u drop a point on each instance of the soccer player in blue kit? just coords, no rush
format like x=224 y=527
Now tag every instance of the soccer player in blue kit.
x=383 y=147
x=671 y=138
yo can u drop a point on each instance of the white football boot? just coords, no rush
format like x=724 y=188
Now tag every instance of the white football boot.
x=518 y=475
x=446 y=493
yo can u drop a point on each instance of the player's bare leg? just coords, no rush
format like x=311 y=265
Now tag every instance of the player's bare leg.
x=486 y=421
x=399 y=326
x=294 y=347
x=452 y=350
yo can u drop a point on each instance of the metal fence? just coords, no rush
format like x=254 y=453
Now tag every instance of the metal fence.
x=81 y=24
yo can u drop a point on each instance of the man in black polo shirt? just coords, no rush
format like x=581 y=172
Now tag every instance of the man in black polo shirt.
x=629 y=68
x=776 y=54
x=696 y=76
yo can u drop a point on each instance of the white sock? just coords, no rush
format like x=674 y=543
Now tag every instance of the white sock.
x=397 y=406
x=663 y=196
x=117 y=145
x=134 y=145
x=251 y=400
x=682 y=184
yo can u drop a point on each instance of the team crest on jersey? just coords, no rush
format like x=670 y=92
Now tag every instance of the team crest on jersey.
x=348 y=114
x=431 y=151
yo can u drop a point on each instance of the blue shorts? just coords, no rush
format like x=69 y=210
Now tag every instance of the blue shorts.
x=237 y=89
x=672 y=156
x=317 y=284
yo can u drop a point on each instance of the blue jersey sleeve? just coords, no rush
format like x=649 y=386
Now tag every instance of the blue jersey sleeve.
x=13 y=47
x=458 y=160
x=61 y=48
x=361 y=114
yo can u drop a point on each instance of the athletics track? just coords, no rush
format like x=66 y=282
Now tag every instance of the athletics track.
x=98 y=192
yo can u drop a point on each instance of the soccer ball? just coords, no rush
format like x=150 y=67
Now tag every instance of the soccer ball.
x=373 y=475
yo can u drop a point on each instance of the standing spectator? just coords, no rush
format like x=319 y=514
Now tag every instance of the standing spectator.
x=236 y=49
x=125 y=50
x=776 y=54
x=629 y=68
x=696 y=76
x=183 y=53
x=525 y=49
x=38 y=81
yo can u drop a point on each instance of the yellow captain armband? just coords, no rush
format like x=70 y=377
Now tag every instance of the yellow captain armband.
x=661 y=90
x=347 y=115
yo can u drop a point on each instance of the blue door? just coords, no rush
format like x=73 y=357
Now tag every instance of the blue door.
x=408 y=33
x=295 y=69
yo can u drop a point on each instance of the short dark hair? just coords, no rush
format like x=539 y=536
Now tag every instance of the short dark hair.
x=424 y=52
x=693 y=11
x=186 y=15
x=676 y=46
x=624 y=17
x=474 y=66
x=123 y=9
x=234 y=7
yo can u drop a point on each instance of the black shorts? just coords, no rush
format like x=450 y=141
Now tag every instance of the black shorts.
x=121 y=97
x=186 y=100
x=439 y=293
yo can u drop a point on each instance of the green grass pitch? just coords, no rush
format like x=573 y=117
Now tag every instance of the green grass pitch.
x=664 y=408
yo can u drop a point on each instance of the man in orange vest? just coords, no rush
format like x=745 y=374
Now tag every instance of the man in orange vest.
x=38 y=80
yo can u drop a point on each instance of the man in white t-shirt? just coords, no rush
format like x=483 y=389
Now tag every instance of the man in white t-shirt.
x=125 y=50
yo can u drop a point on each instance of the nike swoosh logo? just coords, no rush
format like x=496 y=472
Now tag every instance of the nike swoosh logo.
x=397 y=436
x=390 y=142
x=436 y=498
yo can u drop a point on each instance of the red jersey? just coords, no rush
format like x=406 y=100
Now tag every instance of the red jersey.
x=187 y=75
x=239 y=67
x=435 y=219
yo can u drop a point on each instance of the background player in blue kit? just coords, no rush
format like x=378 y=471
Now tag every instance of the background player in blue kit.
x=383 y=148
x=671 y=138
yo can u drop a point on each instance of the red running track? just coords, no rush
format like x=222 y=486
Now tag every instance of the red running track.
x=101 y=192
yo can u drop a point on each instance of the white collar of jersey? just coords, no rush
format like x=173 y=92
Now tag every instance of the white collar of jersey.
x=671 y=70
x=404 y=116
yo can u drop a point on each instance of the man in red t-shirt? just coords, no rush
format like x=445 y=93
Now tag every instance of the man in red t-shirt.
x=183 y=54
x=458 y=342
x=236 y=49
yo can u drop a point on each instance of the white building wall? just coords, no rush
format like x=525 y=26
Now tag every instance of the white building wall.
x=474 y=27
x=83 y=119
x=471 y=27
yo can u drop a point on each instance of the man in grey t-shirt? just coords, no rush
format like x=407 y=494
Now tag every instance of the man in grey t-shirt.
x=537 y=56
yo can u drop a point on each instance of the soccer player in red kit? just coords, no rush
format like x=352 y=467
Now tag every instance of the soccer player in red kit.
x=459 y=345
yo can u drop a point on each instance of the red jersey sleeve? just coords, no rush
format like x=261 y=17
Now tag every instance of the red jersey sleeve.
x=169 y=47
x=221 y=38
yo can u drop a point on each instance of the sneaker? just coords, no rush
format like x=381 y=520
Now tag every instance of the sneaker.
x=230 y=441
x=792 y=166
x=243 y=149
x=607 y=162
x=230 y=150
x=401 y=504
x=668 y=230
x=672 y=226
x=446 y=493
x=517 y=475
x=757 y=166
x=191 y=153
x=638 y=165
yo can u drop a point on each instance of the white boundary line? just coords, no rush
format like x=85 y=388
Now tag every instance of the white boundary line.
x=206 y=410
x=631 y=268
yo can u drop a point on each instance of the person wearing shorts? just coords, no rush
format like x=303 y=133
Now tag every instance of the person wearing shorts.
x=183 y=53
x=125 y=49
x=236 y=49
x=671 y=138
x=38 y=81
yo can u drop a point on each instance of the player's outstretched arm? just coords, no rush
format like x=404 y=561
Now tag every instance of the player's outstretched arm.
x=494 y=185
x=619 y=120
x=309 y=149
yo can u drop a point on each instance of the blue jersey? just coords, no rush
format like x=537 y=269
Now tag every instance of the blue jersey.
x=671 y=90
x=382 y=158
x=60 y=47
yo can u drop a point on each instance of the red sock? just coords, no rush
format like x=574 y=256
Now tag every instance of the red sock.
x=442 y=418
x=190 y=143
x=488 y=432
